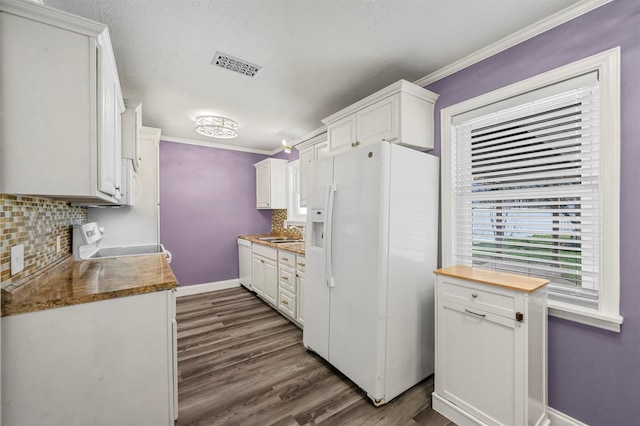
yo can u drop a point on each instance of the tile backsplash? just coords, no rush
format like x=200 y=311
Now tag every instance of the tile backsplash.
x=35 y=222
x=278 y=217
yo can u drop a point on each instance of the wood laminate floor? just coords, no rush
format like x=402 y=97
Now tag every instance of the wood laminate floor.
x=242 y=363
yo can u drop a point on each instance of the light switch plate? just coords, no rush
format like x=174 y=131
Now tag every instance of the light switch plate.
x=17 y=258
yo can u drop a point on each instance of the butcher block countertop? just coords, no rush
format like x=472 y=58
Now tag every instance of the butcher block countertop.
x=501 y=279
x=297 y=248
x=73 y=282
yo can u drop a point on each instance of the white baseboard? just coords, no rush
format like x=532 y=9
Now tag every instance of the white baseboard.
x=461 y=418
x=452 y=412
x=560 y=419
x=206 y=287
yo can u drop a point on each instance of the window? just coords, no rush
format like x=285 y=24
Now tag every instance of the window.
x=296 y=215
x=533 y=176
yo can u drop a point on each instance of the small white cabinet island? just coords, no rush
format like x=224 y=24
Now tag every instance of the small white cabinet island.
x=491 y=347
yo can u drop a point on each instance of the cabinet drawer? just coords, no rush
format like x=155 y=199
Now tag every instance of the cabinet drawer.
x=268 y=252
x=287 y=258
x=300 y=263
x=287 y=304
x=481 y=296
x=287 y=279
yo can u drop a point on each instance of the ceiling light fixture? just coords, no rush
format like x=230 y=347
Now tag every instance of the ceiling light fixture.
x=287 y=148
x=215 y=126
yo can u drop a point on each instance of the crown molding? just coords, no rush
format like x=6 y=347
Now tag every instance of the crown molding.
x=312 y=134
x=219 y=145
x=55 y=17
x=150 y=133
x=518 y=37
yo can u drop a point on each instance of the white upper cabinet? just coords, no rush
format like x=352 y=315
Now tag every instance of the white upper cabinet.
x=400 y=113
x=271 y=184
x=312 y=149
x=61 y=103
x=131 y=125
x=109 y=125
x=342 y=134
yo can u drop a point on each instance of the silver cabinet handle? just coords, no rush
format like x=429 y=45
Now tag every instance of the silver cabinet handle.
x=474 y=295
x=476 y=314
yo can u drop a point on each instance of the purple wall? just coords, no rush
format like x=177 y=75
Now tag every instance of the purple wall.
x=207 y=199
x=594 y=375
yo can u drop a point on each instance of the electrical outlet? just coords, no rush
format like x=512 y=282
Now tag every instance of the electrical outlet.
x=17 y=258
x=58 y=244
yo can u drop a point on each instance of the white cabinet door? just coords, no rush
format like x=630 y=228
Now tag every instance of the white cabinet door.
x=107 y=362
x=378 y=122
x=480 y=362
x=131 y=125
x=271 y=281
x=300 y=298
x=109 y=136
x=307 y=155
x=263 y=185
x=321 y=150
x=342 y=134
x=257 y=274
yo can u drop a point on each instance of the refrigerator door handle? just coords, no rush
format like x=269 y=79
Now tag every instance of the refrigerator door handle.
x=329 y=234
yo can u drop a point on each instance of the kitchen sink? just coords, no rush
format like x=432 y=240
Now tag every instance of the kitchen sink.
x=279 y=240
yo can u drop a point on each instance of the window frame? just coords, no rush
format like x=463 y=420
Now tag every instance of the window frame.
x=607 y=64
x=294 y=216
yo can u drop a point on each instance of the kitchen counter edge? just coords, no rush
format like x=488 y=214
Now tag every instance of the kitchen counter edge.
x=297 y=248
x=70 y=282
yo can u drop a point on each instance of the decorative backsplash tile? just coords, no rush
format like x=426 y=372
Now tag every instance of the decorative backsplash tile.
x=35 y=222
x=278 y=217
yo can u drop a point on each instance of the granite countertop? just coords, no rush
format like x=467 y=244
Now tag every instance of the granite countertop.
x=73 y=282
x=297 y=248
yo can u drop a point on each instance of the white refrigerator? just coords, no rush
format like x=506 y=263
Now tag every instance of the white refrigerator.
x=372 y=239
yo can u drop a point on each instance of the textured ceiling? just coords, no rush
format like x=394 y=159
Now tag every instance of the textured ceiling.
x=318 y=56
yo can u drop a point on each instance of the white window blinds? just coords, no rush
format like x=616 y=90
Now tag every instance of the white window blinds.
x=526 y=185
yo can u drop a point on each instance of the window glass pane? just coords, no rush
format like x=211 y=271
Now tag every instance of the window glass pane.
x=526 y=187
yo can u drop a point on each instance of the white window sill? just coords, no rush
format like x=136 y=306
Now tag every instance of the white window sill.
x=585 y=316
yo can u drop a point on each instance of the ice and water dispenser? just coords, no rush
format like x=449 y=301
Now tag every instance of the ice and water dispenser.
x=318 y=216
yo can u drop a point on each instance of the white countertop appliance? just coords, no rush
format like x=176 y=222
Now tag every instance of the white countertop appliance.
x=86 y=240
x=372 y=239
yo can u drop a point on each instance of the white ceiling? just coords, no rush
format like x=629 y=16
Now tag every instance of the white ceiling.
x=318 y=56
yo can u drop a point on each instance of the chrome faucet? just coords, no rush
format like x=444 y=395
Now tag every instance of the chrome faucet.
x=300 y=229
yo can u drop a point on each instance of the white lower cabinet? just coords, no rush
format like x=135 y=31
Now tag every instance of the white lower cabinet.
x=300 y=266
x=277 y=276
x=287 y=283
x=491 y=348
x=110 y=362
x=264 y=272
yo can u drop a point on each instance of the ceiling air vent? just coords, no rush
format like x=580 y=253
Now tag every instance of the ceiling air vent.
x=234 y=64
